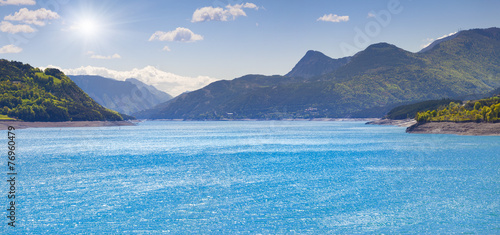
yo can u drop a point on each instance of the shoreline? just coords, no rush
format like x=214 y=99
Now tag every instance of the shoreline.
x=390 y=122
x=24 y=125
x=456 y=128
x=284 y=119
x=462 y=128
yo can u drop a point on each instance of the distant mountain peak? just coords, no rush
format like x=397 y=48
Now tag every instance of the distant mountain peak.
x=378 y=55
x=311 y=53
x=315 y=63
x=382 y=46
x=127 y=96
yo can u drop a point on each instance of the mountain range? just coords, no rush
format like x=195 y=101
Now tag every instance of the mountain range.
x=367 y=84
x=126 y=97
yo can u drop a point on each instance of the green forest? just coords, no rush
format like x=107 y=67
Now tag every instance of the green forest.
x=411 y=110
x=483 y=110
x=30 y=94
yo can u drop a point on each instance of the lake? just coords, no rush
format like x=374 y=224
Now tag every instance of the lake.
x=253 y=177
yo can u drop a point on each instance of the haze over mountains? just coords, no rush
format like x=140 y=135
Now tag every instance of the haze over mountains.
x=367 y=84
x=170 y=83
x=126 y=97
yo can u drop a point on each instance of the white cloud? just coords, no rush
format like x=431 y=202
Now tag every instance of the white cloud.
x=333 y=18
x=8 y=27
x=171 y=83
x=102 y=57
x=447 y=35
x=114 y=56
x=37 y=17
x=17 y=2
x=430 y=40
x=178 y=35
x=166 y=48
x=10 y=49
x=370 y=15
x=219 y=14
x=209 y=13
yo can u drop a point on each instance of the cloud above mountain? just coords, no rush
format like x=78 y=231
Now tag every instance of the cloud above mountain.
x=27 y=17
x=10 y=49
x=168 y=82
x=180 y=34
x=17 y=2
x=231 y=12
x=93 y=55
x=429 y=41
x=8 y=27
x=37 y=17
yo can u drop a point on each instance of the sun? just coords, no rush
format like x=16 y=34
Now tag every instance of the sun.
x=87 y=27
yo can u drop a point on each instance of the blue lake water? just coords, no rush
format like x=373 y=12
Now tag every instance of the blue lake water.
x=269 y=177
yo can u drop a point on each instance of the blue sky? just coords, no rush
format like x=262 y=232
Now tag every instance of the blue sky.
x=229 y=38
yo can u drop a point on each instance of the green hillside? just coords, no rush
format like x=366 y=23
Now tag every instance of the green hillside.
x=30 y=94
x=373 y=81
x=483 y=110
x=411 y=110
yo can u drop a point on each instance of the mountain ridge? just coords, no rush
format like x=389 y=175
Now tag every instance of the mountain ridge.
x=373 y=81
x=126 y=97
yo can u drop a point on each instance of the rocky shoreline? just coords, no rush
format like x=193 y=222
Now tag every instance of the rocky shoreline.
x=456 y=128
x=23 y=125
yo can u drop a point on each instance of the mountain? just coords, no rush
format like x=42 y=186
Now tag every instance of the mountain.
x=495 y=92
x=438 y=41
x=315 y=63
x=370 y=84
x=160 y=95
x=126 y=97
x=30 y=94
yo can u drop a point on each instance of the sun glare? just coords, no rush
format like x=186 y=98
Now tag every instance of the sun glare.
x=88 y=27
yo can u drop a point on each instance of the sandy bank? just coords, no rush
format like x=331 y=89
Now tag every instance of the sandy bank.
x=464 y=128
x=24 y=125
x=389 y=122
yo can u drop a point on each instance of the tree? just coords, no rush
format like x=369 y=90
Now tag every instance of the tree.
x=477 y=105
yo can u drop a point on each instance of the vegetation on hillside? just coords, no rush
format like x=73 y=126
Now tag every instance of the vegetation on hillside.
x=30 y=94
x=483 y=110
x=411 y=110
x=4 y=117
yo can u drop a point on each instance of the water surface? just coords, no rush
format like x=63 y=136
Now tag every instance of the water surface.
x=267 y=177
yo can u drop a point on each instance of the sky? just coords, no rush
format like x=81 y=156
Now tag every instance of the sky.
x=181 y=46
